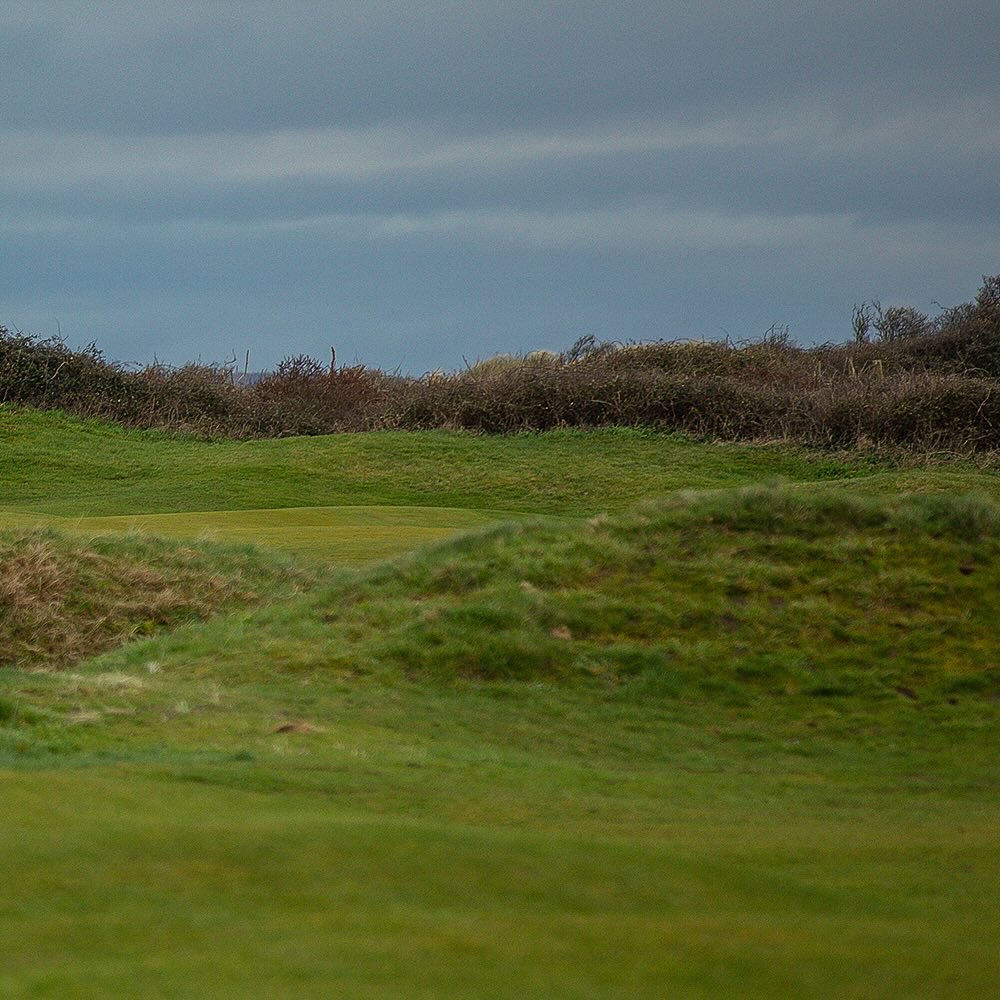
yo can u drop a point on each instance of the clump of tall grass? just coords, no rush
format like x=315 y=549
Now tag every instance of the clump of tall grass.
x=904 y=380
x=64 y=598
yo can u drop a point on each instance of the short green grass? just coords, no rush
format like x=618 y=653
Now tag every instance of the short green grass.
x=58 y=464
x=343 y=535
x=735 y=741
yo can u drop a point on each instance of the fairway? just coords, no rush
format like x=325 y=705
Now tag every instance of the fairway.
x=623 y=715
x=156 y=883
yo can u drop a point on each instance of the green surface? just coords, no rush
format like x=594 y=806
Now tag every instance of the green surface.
x=736 y=743
x=56 y=464
x=345 y=535
x=752 y=884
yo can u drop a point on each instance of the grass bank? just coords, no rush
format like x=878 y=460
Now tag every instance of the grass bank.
x=737 y=740
x=60 y=464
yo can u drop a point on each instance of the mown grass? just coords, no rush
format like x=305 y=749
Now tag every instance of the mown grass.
x=734 y=741
x=347 y=536
x=59 y=464
x=154 y=887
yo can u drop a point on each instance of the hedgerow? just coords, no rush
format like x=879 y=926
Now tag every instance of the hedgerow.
x=904 y=380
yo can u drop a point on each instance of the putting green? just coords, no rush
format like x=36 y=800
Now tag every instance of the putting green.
x=346 y=535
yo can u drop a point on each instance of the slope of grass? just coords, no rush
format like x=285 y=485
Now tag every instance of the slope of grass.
x=763 y=589
x=57 y=464
x=739 y=742
x=729 y=742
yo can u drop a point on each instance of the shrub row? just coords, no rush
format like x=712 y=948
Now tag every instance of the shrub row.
x=300 y=397
x=922 y=410
x=905 y=380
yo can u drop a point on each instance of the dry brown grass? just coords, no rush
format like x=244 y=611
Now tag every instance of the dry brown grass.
x=63 y=599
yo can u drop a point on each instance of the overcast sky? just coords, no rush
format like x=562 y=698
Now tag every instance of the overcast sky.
x=420 y=182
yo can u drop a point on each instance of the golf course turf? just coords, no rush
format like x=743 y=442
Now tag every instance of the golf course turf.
x=574 y=714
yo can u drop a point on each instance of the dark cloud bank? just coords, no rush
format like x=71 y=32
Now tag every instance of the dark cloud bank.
x=420 y=182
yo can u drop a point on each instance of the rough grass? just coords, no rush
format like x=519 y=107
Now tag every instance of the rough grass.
x=64 y=598
x=729 y=594
x=763 y=591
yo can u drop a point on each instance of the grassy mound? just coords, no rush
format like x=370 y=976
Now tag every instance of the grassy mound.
x=786 y=591
x=64 y=598
x=738 y=742
x=767 y=589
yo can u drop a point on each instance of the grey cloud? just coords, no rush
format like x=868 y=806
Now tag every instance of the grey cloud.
x=182 y=67
x=808 y=141
x=423 y=180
